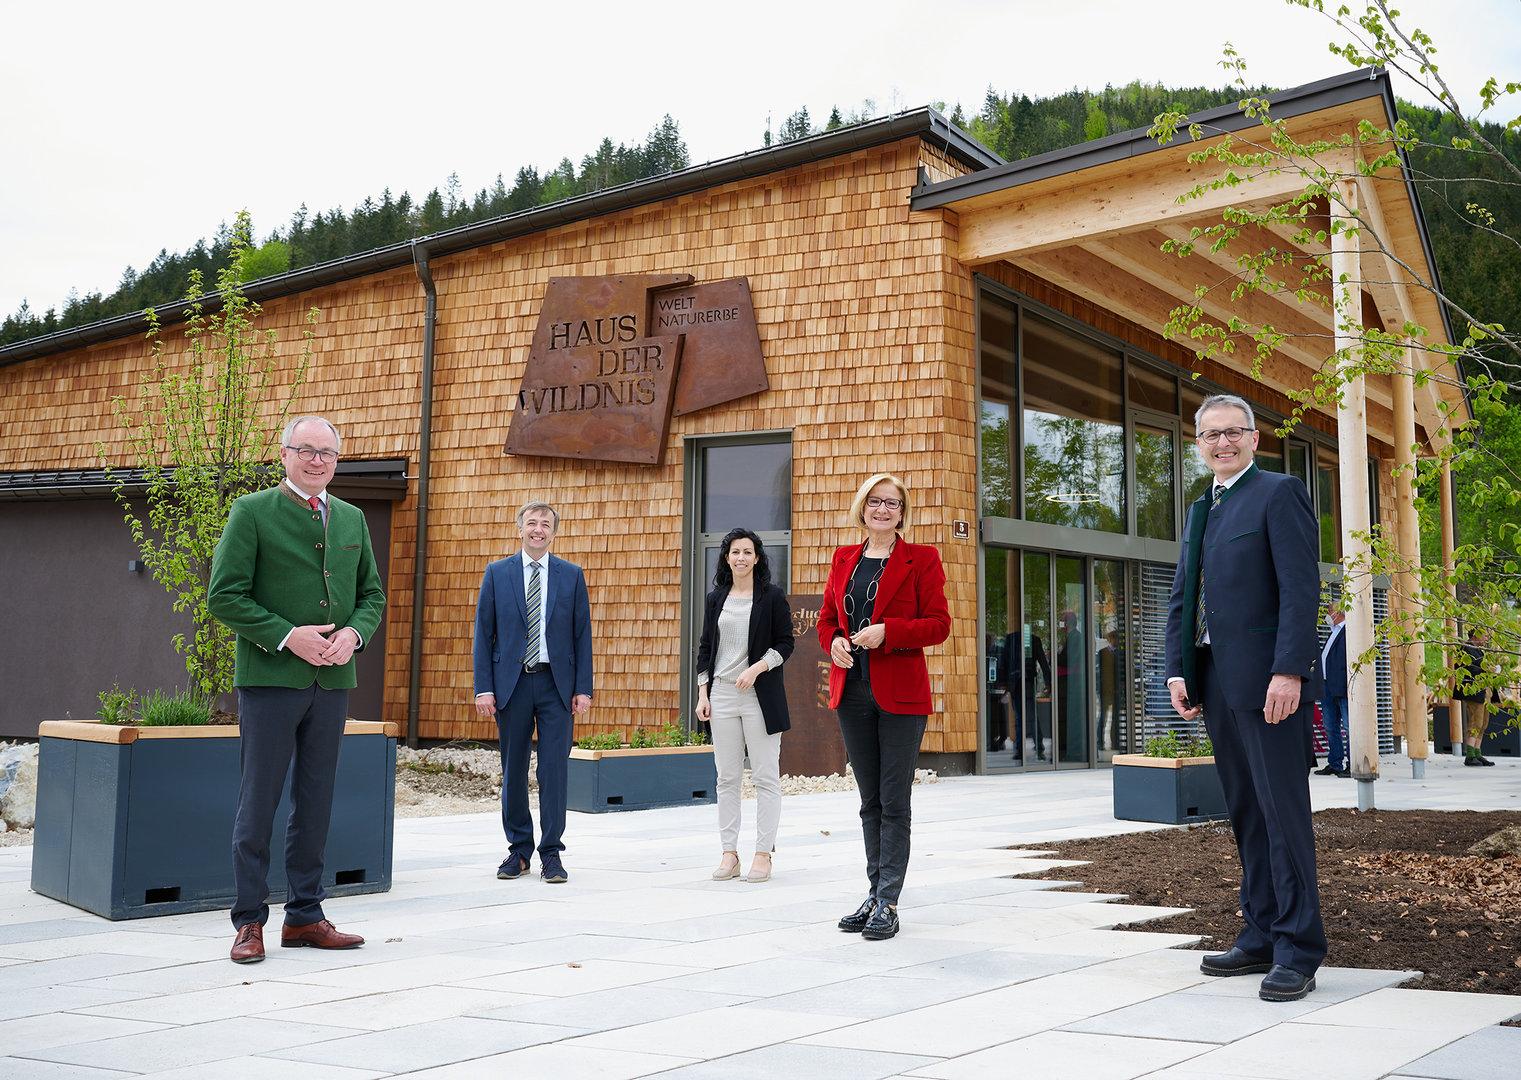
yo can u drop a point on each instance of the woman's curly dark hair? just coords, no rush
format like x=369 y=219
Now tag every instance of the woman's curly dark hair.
x=723 y=578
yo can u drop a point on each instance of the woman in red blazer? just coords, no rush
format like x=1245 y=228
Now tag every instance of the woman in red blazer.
x=884 y=605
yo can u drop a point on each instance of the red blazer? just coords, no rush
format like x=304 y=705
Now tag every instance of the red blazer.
x=910 y=606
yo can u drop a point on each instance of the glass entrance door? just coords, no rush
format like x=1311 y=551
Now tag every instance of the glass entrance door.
x=1057 y=671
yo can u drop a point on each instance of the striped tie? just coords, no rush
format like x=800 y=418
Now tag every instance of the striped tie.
x=1201 y=627
x=531 y=623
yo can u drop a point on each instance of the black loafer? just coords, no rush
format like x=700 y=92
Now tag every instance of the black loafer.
x=1285 y=984
x=512 y=868
x=553 y=872
x=883 y=923
x=1327 y=771
x=1234 y=962
x=856 y=921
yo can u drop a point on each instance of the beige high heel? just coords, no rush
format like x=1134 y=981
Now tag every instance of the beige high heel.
x=727 y=870
x=758 y=872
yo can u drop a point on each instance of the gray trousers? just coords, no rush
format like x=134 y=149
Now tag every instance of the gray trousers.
x=737 y=726
x=883 y=748
x=285 y=732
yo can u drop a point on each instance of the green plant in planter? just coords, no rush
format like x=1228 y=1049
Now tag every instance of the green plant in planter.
x=602 y=740
x=117 y=706
x=184 y=709
x=1170 y=745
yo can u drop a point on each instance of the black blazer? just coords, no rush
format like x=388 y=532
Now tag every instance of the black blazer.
x=770 y=628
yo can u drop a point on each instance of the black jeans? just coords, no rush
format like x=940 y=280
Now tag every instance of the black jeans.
x=883 y=748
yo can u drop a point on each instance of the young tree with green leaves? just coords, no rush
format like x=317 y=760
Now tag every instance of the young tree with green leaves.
x=203 y=433
x=1434 y=607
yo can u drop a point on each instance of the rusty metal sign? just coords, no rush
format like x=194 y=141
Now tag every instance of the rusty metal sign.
x=721 y=360
x=814 y=746
x=612 y=358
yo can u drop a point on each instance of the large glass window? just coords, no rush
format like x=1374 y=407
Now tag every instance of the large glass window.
x=1328 y=502
x=996 y=332
x=1074 y=435
x=1152 y=389
x=1196 y=474
x=1000 y=654
x=1155 y=486
x=1269 y=448
x=747 y=485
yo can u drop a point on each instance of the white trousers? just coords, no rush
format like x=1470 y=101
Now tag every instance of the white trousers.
x=737 y=725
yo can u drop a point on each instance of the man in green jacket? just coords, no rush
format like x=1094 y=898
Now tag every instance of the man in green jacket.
x=294 y=578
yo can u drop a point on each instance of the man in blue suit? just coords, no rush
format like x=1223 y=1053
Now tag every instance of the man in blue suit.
x=1241 y=645
x=1333 y=699
x=533 y=669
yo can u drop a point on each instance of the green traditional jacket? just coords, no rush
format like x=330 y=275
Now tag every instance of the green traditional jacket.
x=277 y=567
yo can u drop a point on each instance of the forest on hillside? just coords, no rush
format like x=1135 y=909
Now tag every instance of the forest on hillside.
x=1481 y=270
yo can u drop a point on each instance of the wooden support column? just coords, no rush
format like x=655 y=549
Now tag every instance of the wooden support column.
x=1352 y=447
x=1408 y=543
x=1449 y=569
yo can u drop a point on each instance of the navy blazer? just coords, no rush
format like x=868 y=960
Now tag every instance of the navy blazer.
x=1336 y=667
x=501 y=636
x=1260 y=554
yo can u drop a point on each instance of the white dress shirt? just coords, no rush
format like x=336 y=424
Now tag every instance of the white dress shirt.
x=543 y=565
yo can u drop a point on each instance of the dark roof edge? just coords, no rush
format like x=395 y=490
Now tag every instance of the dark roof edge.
x=1312 y=97
x=925 y=122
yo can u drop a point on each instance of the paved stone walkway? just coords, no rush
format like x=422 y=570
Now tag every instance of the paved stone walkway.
x=642 y=966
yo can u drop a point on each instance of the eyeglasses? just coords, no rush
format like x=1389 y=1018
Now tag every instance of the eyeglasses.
x=1230 y=434
x=889 y=504
x=311 y=453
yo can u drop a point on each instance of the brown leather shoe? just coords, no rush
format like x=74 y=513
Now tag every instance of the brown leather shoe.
x=318 y=935
x=248 y=947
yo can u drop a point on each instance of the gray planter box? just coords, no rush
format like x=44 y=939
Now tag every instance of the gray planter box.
x=1173 y=791
x=604 y=780
x=134 y=822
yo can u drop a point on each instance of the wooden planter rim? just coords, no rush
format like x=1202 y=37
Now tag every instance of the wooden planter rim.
x=643 y=751
x=1161 y=762
x=122 y=734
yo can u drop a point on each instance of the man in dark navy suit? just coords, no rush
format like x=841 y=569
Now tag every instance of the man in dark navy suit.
x=1333 y=698
x=533 y=669
x=1241 y=645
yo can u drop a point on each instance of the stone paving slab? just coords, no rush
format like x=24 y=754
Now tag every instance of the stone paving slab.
x=642 y=965
x=1491 y=1054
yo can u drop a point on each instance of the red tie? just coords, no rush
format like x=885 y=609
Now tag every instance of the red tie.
x=315 y=503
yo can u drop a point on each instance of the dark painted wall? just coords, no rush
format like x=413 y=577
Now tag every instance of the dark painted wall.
x=74 y=620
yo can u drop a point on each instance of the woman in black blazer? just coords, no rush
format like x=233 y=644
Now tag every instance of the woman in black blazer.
x=746 y=635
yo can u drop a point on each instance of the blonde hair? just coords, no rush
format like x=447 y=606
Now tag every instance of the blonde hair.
x=858 y=504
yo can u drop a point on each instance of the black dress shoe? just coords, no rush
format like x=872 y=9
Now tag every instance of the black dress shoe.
x=512 y=868
x=1484 y=760
x=1327 y=771
x=552 y=872
x=1285 y=984
x=855 y=922
x=1472 y=759
x=883 y=923
x=1234 y=962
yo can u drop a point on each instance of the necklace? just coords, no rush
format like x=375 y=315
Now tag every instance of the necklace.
x=858 y=621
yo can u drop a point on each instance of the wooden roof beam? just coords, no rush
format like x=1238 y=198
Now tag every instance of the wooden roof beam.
x=1141 y=197
x=1104 y=285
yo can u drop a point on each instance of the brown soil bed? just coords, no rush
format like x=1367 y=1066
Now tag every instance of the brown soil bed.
x=1398 y=889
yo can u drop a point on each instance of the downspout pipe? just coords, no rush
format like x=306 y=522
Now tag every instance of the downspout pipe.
x=424 y=453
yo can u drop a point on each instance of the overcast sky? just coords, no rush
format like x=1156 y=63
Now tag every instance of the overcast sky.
x=129 y=128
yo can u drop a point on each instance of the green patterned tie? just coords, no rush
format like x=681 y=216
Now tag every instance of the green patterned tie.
x=1200 y=626
x=531 y=623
